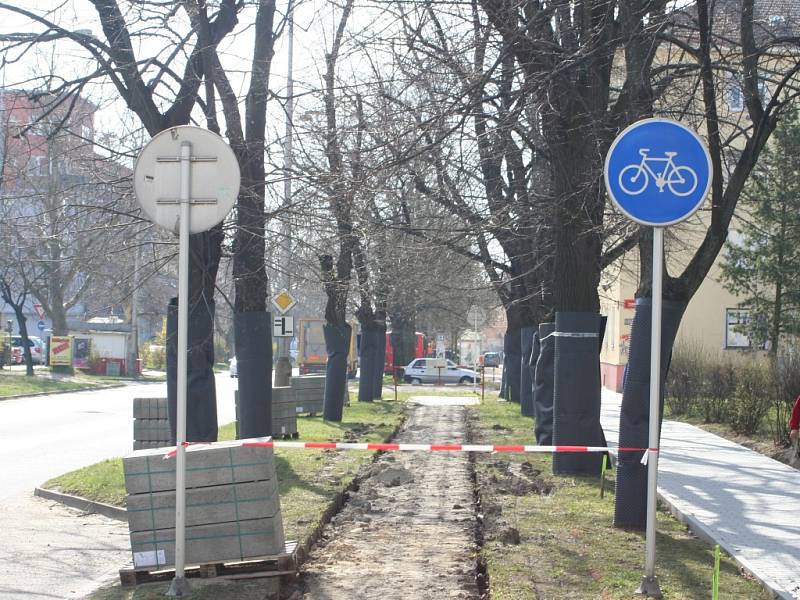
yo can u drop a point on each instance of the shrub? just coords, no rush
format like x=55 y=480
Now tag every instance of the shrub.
x=787 y=383
x=755 y=389
x=684 y=380
x=719 y=387
x=154 y=356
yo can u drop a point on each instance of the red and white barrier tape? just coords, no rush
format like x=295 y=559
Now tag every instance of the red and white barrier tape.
x=389 y=447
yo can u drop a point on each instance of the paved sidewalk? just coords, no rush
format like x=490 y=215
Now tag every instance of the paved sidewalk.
x=51 y=552
x=747 y=503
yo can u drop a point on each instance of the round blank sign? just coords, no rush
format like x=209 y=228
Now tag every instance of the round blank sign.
x=214 y=184
x=476 y=315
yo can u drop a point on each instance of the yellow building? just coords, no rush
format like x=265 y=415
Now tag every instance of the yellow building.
x=709 y=320
x=712 y=316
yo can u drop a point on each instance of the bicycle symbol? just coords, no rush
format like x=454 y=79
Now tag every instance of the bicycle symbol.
x=634 y=178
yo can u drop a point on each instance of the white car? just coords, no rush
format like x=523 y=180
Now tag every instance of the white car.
x=234 y=370
x=37 y=350
x=425 y=370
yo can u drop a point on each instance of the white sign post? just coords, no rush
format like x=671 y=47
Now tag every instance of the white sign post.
x=477 y=316
x=165 y=195
x=657 y=172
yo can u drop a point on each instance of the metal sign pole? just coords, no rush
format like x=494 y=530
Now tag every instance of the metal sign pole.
x=650 y=585
x=475 y=360
x=180 y=586
x=155 y=183
x=657 y=201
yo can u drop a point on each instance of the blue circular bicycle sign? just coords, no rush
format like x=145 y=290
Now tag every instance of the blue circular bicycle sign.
x=658 y=172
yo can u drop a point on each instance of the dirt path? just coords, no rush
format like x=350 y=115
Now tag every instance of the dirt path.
x=409 y=530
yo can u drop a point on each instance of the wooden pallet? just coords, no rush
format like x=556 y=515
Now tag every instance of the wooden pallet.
x=276 y=565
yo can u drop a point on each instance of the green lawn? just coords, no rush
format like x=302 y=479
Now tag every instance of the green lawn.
x=17 y=383
x=308 y=479
x=568 y=546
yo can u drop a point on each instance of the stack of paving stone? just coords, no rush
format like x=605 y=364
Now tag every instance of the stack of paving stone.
x=284 y=412
x=232 y=505
x=150 y=423
x=309 y=392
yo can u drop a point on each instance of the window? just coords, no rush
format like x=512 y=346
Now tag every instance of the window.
x=735 y=96
x=87 y=133
x=39 y=127
x=61 y=166
x=420 y=363
x=763 y=91
x=39 y=165
x=737 y=321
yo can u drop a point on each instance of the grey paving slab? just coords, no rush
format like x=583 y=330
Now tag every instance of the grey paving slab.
x=746 y=502
x=51 y=552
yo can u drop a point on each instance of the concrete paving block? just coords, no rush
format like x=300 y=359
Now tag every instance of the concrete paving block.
x=308 y=381
x=283 y=394
x=150 y=408
x=216 y=504
x=210 y=543
x=206 y=464
x=286 y=426
x=143 y=445
x=151 y=430
x=284 y=411
x=162 y=408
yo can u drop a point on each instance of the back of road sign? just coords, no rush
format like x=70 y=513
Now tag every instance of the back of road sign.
x=658 y=172
x=214 y=180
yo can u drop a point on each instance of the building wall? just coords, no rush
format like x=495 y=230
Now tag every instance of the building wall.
x=703 y=323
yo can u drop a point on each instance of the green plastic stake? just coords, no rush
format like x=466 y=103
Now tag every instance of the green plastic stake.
x=715 y=578
x=603 y=475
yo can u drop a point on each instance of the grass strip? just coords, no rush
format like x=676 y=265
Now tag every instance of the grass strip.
x=308 y=482
x=18 y=384
x=552 y=537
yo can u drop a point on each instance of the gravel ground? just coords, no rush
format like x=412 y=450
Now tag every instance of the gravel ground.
x=409 y=531
x=51 y=551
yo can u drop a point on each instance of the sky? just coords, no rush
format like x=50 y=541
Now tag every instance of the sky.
x=314 y=22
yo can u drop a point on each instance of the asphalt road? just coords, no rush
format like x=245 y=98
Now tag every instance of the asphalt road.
x=44 y=436
x=50 y=551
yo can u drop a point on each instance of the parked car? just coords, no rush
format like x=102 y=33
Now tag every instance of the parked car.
x=424 y=370
x=491 y=359
x=233 y=368
x=37 y=350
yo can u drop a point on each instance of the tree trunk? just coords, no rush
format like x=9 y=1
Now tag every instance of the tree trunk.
x=630 y=503
x=23 y=332
x=368 y=361
x=201 y=398
x=380 y=361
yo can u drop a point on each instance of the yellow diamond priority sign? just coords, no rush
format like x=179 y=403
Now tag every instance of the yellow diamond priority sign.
x=283 y=301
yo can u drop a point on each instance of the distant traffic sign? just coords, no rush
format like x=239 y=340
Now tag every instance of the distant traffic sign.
x=476 y=315
x=39 y=310
x=283 y=301
x=283 y=327
x=40 y=325
x=658 y=172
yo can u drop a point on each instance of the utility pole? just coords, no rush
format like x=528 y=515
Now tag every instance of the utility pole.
x=133 y=354
x=283 y=366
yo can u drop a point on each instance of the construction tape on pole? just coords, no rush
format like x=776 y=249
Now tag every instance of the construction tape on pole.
x=571 y=334
x=390 y=447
